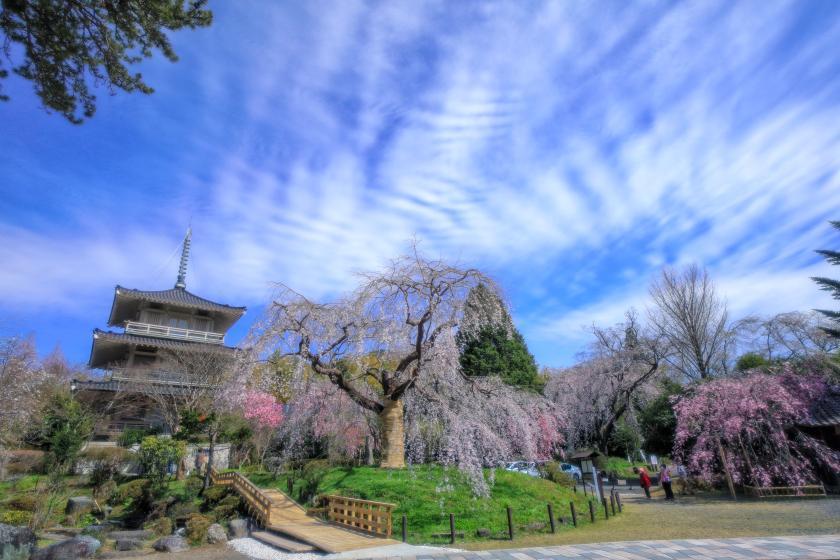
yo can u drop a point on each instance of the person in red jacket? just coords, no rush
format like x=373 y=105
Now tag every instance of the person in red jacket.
x=644 y=480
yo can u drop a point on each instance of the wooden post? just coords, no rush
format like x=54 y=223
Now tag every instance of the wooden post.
x=290 y=485
x=606 y=509
x=723 y=460
x=574 y=513
x=584 y=488
x=575 y=487
x=618 y=499
x=612 y=502
x=451 y=528
x=510 y=523
x=591 y=511
x=551 y=519
x=404 y=529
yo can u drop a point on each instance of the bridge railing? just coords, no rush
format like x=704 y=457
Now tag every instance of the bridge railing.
x=259 y=503
x=364 y=515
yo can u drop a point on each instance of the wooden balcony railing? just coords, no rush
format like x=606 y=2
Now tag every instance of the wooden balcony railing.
x=175 y=333
x=156 y=376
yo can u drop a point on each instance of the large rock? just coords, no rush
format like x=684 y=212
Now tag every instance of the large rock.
x=141 y=534
x=216 y=534
x=78 y=505
x=77 y=547
x=16 y=543
x=238 y=528
x=171 y=544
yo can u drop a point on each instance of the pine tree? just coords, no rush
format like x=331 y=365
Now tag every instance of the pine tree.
x=491 y=345
x=832 y=286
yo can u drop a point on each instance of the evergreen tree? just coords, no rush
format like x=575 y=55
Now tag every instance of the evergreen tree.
x=62 y=47
x=832 y=286
x=491 y=345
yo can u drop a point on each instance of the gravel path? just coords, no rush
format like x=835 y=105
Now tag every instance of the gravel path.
x=257 y=550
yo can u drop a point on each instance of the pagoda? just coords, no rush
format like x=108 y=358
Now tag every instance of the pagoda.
x=150 y=326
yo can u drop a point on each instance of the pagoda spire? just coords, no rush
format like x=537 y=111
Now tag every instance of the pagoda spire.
x=185 y=255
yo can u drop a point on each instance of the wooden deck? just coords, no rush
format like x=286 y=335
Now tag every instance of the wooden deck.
x=282 y=515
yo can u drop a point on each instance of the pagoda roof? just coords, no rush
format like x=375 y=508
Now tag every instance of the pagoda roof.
x=179 y=297
x=107 y=344
x=117 y=385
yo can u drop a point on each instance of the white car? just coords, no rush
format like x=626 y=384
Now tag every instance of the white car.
x=524 y=467
x=571 y=470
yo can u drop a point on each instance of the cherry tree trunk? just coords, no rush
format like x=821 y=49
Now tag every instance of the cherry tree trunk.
x=393 y=435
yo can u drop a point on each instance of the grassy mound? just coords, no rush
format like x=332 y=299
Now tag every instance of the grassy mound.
x=428 y=494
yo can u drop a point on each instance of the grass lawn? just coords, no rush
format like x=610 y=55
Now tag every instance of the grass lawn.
x=695 y=518
x=428 y=494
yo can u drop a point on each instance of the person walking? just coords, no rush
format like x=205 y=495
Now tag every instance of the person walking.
x=665 y=481
x=644 y=480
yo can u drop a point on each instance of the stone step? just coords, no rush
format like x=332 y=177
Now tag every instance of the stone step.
x=275 y=540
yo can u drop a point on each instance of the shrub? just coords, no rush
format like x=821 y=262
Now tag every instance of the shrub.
x=197 y=526
x=161 y=526
x=26 y=502
x=106 y=463
x=192 y=486
x=181 y=510
x=16 y=517
x=105 y=491
x=156 y=455
x=134 y=491
x=67 y=425
x=552 y=471
x=227 y=508
x=133 y=436
x=214 y=495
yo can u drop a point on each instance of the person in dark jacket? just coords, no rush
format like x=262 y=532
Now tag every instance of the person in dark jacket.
x=665 y=481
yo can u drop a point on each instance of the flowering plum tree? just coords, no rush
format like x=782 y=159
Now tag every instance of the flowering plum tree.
x=265 y=414
x=748 y=427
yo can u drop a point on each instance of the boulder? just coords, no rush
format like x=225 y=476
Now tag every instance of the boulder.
x=128 y=544
x=16 y=543
x=78 y=505
x=216 y=534
x=77 y=547
x=238 y=528
x=96 y=529
x=171 y=544
x=140 y=534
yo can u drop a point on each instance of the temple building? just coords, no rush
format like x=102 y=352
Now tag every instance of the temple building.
x=136 y=358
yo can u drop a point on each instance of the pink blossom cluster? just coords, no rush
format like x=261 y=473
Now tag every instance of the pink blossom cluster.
x=262 y=409
x=754 y=419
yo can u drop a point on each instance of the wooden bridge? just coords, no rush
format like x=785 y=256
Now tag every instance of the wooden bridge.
x=288 y=527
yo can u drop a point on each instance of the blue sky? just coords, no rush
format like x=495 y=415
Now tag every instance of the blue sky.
x=570 y=149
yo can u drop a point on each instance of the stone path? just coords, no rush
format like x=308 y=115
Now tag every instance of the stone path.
x=771 y=548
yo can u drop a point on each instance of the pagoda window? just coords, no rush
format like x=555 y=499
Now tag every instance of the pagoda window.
x=153 y=317
x=179 y=322
x=201 y=324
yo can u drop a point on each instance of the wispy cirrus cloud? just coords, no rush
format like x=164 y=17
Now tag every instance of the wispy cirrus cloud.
x=570 y=149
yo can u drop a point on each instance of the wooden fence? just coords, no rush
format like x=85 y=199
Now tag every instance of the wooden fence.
x=258 y=503
x=364 y=515
x=785 y=491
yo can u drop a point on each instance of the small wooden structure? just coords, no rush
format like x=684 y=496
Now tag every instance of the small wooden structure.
x=364 y=515
x=287 y=525
x=785 y=491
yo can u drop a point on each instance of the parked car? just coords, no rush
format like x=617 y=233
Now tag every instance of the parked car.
x=571 y=470
x=524 y=467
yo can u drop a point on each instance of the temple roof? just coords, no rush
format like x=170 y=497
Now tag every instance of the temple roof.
x=825 y=412
x=179 y=297
x=109 y=347
x=115 y=385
